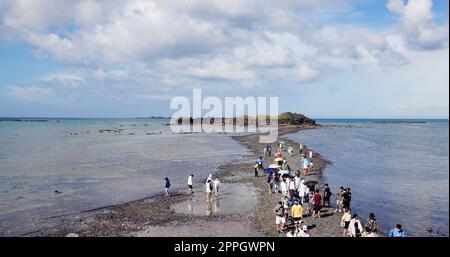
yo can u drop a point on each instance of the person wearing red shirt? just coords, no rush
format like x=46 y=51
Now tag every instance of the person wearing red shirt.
x=317 y=200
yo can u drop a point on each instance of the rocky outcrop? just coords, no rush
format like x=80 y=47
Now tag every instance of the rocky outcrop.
x=294 y=119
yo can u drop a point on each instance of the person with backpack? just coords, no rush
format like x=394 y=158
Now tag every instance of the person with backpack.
x=345 y=222
x=209 y=186
x=167 y=186
x=397 y=231
x=355 y=226
x=280 y=220
x=326 y=195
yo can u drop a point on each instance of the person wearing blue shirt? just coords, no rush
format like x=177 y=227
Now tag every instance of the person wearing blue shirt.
x=397 y=232
x=260 y=162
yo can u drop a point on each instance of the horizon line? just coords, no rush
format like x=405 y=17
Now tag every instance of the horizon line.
x=168 y=117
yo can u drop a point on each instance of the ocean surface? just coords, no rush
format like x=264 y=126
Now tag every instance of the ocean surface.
x=399 y=171
x=96 y=163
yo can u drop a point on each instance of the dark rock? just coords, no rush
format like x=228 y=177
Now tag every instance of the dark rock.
x=294 y=119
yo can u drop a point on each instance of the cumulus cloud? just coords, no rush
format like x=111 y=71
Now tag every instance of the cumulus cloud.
x=418 y=23
x=138 y=48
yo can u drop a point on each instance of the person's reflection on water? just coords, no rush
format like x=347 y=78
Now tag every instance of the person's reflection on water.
x=208 y=208
x=190 y=204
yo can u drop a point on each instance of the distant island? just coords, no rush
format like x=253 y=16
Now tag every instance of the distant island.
x=154 y=117
x=399 y=122
x=285 y=118
x=24 y=120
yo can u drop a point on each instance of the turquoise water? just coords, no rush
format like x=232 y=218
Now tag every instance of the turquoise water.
x=94 y=169
x=398 y=171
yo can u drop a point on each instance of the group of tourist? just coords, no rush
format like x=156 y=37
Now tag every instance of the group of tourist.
x=211 y=186
x=299 y=197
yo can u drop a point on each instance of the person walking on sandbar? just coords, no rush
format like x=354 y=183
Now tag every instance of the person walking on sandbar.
x=189 y=182
x=167 y=185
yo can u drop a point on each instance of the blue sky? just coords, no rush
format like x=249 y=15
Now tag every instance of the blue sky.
x=326 y=59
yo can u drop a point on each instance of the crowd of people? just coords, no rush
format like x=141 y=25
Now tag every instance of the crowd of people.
x=299 y=197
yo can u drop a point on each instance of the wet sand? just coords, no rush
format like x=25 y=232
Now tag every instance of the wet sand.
x=243 y=207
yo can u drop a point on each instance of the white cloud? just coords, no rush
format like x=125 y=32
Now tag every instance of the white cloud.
x=31 y=93
x=418 y=23
x=146 y=49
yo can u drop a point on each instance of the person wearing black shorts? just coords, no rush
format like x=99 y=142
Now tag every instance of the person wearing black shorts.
x=317 y=201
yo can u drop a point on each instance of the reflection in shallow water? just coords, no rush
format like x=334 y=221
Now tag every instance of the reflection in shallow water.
x=234 y=199
x=190 y=205
x=95 y=169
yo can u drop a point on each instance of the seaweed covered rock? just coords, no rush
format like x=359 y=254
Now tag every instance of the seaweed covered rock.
x=294 y=119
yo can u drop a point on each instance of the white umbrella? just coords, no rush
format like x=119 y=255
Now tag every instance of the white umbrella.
x=282 y=172
x=274 y=166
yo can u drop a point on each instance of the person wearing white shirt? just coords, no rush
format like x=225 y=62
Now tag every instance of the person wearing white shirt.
x=303 y=189
x=297 y=181
x=190 y=183
x=284 y=187
x=355 y=227
x=291 y=186
x=216 y=183
x=209 y=185
x=304 y=232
